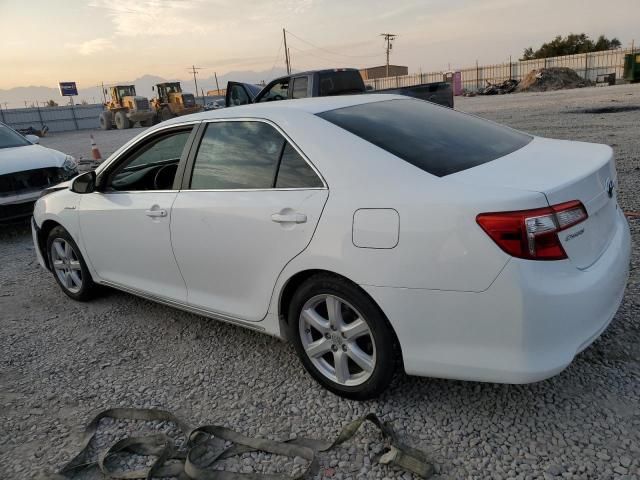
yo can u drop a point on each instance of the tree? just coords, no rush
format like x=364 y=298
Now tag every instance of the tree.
x=51 y=103
x=572 y=44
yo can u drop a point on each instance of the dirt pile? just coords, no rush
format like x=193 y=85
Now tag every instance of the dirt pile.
x=554 y=78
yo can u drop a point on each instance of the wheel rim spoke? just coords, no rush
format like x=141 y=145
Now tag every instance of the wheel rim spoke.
x=315 y=320
x=355 y=329
x=341 y=367
x=59 y=249
x=318 y=348
x=362 y=359
x=334 y=310
x=75 y=265
x=58 y=264
x=67 y=279
x=75 y=278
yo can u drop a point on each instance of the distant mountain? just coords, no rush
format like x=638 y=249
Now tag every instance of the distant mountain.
x=15 y=97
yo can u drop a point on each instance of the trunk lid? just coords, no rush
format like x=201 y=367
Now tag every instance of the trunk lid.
x=562 y=171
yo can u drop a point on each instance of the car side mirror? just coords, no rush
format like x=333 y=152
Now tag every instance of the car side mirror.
x=33 y=139
x=85 y=183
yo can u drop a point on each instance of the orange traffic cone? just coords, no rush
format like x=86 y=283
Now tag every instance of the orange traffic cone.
x=95 y=153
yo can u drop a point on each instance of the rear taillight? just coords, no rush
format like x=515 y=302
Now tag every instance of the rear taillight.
x=533 y=234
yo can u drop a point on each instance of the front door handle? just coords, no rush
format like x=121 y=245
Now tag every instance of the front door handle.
x=289 y=217
x=156 y=212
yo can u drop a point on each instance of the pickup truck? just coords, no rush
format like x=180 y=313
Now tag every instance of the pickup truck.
x=324 y=83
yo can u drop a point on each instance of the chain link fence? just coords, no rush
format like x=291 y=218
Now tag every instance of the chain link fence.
x=587 y=65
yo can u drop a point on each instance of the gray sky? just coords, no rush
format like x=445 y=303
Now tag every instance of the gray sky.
x=46 y=41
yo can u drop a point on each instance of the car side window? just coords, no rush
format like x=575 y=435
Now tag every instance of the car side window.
x=295 y=172
x=279 y=91
x=300 y=85
x=237 y=155
x=249 y=155
x=152 y=166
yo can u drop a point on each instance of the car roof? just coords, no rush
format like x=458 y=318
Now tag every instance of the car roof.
x=312 y=72
x=283 y=107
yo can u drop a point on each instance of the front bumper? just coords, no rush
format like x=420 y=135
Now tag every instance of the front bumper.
x=527 y=326
x=18 y=206
x=36 y=243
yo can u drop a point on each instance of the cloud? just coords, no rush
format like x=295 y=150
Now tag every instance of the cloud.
x=176 y=17
x=92 y=46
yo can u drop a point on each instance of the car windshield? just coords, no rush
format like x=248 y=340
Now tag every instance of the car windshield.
x=10 y=138
x=435 y=139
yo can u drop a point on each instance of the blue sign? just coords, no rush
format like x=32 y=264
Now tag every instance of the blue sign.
x=68 y=89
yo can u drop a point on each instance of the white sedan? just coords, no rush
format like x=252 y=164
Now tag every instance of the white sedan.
x=364 y=229
x=25 y=170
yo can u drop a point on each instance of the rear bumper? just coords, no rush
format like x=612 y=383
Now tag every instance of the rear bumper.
x=527 y=326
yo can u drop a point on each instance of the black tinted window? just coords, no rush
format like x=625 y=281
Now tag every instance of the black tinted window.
x=300 y=87
x=236 y=155
x=295 y=172
x=435 y=139
x=340 y=83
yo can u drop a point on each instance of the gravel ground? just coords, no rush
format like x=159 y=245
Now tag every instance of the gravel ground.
x=61 y=361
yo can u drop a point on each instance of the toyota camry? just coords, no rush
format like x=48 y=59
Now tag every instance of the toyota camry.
x=373 y=232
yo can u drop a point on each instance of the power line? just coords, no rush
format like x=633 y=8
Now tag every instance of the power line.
x=308 y=53
x=277 y=58
x=329 y=51
x=389 y=38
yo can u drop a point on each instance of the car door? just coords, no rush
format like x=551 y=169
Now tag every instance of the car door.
x=250 y=203
x=125 y=224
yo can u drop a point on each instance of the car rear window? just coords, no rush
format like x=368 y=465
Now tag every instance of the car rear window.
x=436 y=139
x=340 y=83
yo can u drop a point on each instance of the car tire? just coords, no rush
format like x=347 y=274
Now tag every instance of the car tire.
x=122 y=122
x=68 y=266
x=356 y=330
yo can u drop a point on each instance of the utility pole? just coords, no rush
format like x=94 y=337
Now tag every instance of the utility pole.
x=389 y=38
x=215 y=74
x=286 y=52
x=194 y=70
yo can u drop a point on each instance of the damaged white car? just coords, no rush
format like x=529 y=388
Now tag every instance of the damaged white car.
x=26 y=169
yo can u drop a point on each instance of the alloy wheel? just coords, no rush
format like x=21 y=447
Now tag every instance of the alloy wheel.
x=337 y=339
x=66 y=265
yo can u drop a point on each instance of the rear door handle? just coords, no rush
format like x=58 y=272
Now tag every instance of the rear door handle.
x=161 y=212
x=289 y=217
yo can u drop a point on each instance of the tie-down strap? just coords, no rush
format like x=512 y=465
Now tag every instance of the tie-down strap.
x=206 y=446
